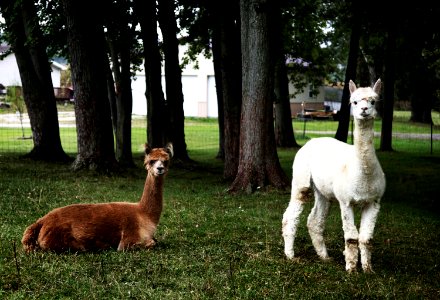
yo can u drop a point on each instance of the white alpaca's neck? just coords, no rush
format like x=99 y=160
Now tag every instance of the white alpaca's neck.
x=151 y=200
x=363 y=136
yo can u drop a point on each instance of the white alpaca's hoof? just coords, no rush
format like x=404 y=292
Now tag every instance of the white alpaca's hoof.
x=289 y=254
x=326 y=258
x=367 y=269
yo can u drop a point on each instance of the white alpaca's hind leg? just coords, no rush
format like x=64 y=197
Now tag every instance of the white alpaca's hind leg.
x=351 y=237
x=368 y=221
x=316 y=224
x=290 y=225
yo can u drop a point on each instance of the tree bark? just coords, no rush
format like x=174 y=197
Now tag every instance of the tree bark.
x=284 y=135
x=217 y=62
x=157 y=121
x=227 y=31
x=350 y=74
x=386 y=136
x=34 y=68
x=173 y=75
x=118 y=38
x=258 y=159
x=92 y=106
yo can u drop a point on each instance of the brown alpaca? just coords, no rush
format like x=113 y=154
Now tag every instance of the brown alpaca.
x=118 y=225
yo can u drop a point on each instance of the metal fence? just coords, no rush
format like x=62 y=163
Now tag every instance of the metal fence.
x=16 y=135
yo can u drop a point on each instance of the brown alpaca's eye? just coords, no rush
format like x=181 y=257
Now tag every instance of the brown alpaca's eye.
x=152 y=162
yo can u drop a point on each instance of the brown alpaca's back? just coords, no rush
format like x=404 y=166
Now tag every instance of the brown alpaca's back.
x=92 y=227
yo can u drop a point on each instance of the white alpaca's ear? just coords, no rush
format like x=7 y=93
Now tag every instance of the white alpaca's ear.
x=169 y=149
x=352 y=86
x=377 y=86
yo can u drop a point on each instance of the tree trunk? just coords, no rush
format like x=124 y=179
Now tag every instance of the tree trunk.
x=217 y=62
x=284 y=135
x=173 y=75
x=422 y=98
x=118 y=39
x=350 y=74
x=388 y=99
x=258 y=159
x=92 y=106
x=227 y=29
x=34 y=68
x=157 y=121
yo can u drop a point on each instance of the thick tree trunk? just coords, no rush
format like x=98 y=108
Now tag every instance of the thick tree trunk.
x=92 y=108
x=258 y=160
x=34 y=68
x=350 y=74
x=157 y=122
x=173 y=75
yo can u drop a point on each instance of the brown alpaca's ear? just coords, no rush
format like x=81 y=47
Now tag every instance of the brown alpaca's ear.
x=352 y=86
x=169 y=149
x=147 y=148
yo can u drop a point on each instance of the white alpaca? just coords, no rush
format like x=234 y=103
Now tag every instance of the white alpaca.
x=350 y=174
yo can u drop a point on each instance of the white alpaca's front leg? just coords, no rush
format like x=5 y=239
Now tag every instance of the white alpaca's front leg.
x=316 y=224
x=351 y=237
x=290 y=225
x=368 y=222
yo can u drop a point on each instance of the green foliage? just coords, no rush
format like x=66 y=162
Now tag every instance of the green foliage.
x=213 y=245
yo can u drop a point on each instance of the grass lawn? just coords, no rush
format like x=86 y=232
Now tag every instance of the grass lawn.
x=212 y=245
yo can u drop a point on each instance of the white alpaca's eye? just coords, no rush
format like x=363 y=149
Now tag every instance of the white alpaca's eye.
x=355 y=102
x=372 y=102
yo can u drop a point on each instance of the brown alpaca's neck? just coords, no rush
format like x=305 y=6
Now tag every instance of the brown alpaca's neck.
x=151 y=200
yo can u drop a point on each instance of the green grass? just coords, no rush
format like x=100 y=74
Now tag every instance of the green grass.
x=213 y=245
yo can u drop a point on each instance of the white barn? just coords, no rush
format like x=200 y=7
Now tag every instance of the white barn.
x=198 y=87
x=10 y=75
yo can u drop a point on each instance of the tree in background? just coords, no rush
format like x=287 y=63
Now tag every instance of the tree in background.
x=258 y=160
x=28 y=44
x=226 y=35
x=120 y=38
x=157 y=120
x=350 y=72
x=284 y=135
x=92 y=109
x=173 y=79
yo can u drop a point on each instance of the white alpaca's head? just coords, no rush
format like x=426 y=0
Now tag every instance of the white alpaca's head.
x=363 y=100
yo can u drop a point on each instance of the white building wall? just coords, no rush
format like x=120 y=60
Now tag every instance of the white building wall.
x=198 y=87
x=10 y=75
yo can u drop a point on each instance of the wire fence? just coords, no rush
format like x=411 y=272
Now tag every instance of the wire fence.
x=202 y=134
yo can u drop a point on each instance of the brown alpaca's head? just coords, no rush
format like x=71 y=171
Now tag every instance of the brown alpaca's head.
x=157 y=160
